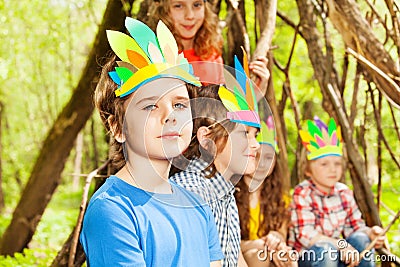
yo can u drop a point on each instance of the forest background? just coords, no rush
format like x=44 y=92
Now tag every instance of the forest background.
x=50 y=57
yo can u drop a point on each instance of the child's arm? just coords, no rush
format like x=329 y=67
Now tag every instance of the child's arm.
x=257 y=244
x=241 y=262
x=109 y=236
x=213 y=240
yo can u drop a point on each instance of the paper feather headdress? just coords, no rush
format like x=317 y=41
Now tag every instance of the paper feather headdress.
x=267 y=133
x=240 y=101
x=146 y=57
x=322 y=140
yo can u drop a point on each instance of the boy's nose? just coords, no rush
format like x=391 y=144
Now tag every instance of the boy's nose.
x=254 y=143
x=170 y=118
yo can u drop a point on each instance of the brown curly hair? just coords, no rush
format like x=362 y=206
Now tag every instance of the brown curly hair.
x=273 y=209
x=207 y=40
x=211 y=114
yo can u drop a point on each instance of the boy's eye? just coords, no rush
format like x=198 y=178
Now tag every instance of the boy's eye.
x=198 y=4
x=180 y=106
x=150 y=107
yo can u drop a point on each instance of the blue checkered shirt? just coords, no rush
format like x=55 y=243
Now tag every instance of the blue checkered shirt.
x=217 y=192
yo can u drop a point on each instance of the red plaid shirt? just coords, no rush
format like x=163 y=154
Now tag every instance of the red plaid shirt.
x=313 y=212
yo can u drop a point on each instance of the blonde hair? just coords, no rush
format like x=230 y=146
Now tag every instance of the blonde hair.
x=207 y=39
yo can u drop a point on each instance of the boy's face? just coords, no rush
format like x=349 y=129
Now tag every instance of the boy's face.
x=158 y=120
x=188 y=16
x=325 y=172
x=239 y=153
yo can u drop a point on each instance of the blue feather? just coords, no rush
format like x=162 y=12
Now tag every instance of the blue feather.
x=240 y=74
x=114 y=76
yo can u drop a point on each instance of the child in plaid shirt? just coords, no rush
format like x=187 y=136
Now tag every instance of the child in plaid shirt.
x=323 y=210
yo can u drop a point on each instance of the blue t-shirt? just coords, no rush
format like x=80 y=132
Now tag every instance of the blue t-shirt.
x=127 y=226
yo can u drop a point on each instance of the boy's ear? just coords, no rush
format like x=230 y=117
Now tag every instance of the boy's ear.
x=117 y=133
x=307 y=170
x=202 y=134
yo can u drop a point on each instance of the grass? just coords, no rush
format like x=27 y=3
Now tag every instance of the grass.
x=54 y=228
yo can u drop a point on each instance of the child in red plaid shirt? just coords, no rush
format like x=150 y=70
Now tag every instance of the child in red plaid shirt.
x=323 y=210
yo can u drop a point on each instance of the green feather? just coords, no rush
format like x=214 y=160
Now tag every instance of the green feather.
x=240 y=99
x=331 y=126
x=314 y=144
x=313 y=129
x=123 y=73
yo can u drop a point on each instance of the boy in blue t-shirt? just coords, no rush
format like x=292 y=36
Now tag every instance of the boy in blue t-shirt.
x=138 y=217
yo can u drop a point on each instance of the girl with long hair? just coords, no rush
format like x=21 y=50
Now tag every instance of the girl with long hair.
x=263 y=207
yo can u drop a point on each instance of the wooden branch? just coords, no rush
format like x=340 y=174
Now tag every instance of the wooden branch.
x=370 y=65
x=376 y=13
x=242 y=25
x=372 y=215
x=264 y=43
x=379 y=152
x=82 y=208
x=391 y=212
x=358 y=35
x=380 y=132
x=396 y=127
x=354 y=101
x=396 y=25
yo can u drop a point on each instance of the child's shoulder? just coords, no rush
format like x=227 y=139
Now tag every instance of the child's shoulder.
x=117 y=193
x=190 y=197
x=344 y=192
x=303 y=188
x=341 y=187
x=189 y=177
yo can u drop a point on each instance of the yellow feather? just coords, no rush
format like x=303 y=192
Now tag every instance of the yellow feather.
x=228 y=99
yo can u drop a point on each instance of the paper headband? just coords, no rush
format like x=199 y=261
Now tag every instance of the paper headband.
x=267 y=133
x=322 y=140
x=241 y=103
x=146 y=57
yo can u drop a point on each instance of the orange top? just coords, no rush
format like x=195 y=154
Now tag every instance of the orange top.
x=210 y=70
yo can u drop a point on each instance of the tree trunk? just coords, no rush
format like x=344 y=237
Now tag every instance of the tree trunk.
x=333 y=103
x=78 y=162
x=358 y=35
x=46 y=173
x=2 y=204
x=237 y=33
x=266 y=17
